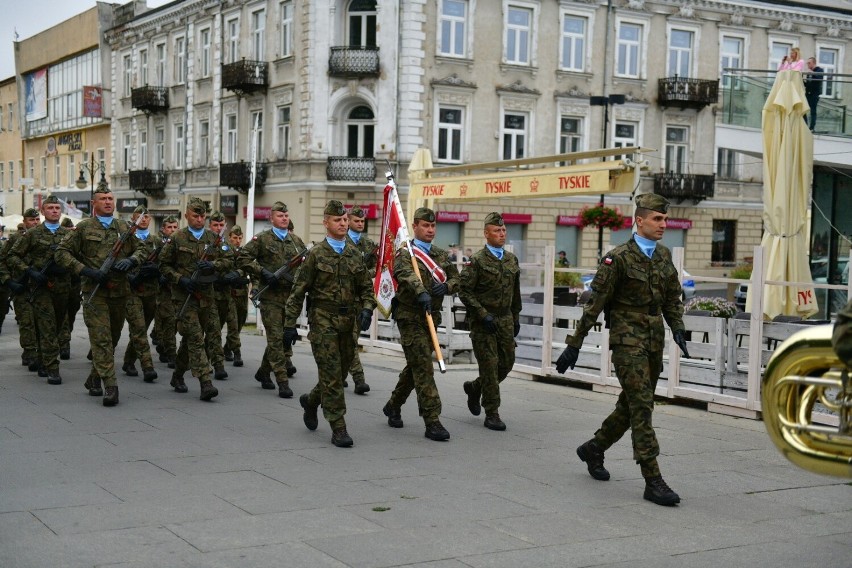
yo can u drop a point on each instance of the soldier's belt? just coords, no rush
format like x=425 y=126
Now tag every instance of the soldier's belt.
x=647 y=310
x=498 y=312
x=330 y=307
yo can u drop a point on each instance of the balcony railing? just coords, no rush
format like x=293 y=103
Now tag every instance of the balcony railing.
x=150 y=99
x=687 y=93
x=343 y=168
x=237 y=176
x=353 y=61
x=245 y=77
x=680 y=187
x=149 y=182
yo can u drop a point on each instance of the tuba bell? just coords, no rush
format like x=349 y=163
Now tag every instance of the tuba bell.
x=805 y=371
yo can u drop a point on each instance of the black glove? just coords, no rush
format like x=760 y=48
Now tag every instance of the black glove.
x=205 y=266
x=163 y=281
x=680 y=339
x=187 y=284
x=365 y=318
x=291 y=335
x=268 y=277
x=425 y=301
x=16 y=287
x=55 y=270
x=439 y=289
x=516 y=330
x=96 y=275
x=135 y=280
x=567 y=360
x=36 y=276
x=233 y=279
x=124 y=264
x=149 y=270
x=490 y=324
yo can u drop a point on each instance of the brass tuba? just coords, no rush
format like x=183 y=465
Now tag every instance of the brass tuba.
x=803 y=371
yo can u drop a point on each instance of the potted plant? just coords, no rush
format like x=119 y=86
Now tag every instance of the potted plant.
x=718 y=307
x=602 y=217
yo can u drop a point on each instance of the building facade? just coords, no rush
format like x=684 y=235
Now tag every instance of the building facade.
x=10 y=150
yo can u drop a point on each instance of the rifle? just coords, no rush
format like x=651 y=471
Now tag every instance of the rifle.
x=196 y=273
x=106 y=266
x=44 y=270
x=283 y=272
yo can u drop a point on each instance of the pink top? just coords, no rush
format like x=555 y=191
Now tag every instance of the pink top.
x=792 y=65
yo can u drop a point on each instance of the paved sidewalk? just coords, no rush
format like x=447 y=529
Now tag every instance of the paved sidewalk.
x=165 y=480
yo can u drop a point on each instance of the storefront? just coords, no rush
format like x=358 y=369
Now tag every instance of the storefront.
x=568 y=236
x=516 y=232
x=449 y=228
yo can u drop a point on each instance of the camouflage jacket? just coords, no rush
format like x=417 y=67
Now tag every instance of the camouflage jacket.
x=149 y=286
x=638 y=292
x=36 y=249
x=266 y=250
x=842 y=337
x=491 y=286
x=240 y=291
x=410 y=286
x=336 y=285
x=180 y=257
x=367 y=249
x=5 y=272
x=89 y=244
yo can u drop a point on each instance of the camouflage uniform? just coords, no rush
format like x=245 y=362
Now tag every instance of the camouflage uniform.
x=88 y=246
x=638 y=292
x=223 y=305
x=27 y=331
x=842 y=337
x=268 y=251
x=366 y=247
x=36 y=250
x=165 y=326
x=338 y=288
x=5 y=293
x=491 y=286
x=199 y=324
x=74 y=301
x=141 y=308
x=239 y=298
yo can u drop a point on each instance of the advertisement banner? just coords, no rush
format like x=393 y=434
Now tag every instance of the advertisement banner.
x=35 y=89
x=93 y=102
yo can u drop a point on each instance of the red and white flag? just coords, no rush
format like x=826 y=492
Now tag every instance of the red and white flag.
x=394 y=232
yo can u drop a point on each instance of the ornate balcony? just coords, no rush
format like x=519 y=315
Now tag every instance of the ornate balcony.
x=237 y=176
x=343 y=168
x=149 y=182
x=687 y=93
x=245 y=77
x=680 y=187
x=150 y=99
x=355 y=61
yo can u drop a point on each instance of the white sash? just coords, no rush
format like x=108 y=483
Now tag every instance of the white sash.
x=437 y=273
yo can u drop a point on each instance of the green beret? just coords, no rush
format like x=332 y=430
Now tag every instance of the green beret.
x=494 y=219
x=30 y=213
x=424 y=214
x=170 y=219
x=140 y=210
x=67 y=222
x=102 y=188
x=50 y=199
x=196 y=205
x=279 y=206
x=356 y=211
x=653 y=202
x=236 y=230
x=217 y=216
x=334 y=208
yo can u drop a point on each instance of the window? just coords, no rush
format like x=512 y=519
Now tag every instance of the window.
x=102 y=159
x=160 y=70
x=257 y=120
x=628 y=49
x=44 y=171
x=570 y=134
x=179 y=147
x=723 y=245
x=453 y=27
x=233 y=40
x=125 y=153
x=450 y=130
x=11 y=116
x=31 y=168
x=732 y=56
x=204 y=42
x=727 y=164
x=65 y=82
x=518 y=35
x=680 y=52
x=57 y=172
x=231 y=138
x=180 y=60
x=258 y=34
x=2 y=176
x=677 y=144
x=12 y=174
x=360 y=129
x=828 y=59
x=203 y=142
x=573 y=43
x=72 y=170
x=362 y=23
x=283 y=137
x=625 y=134
x=128 y=75
x=143 y=67
x=286 y=29
x=160 y=149
x=514 y=136
x=778 y=50
x=143 y=149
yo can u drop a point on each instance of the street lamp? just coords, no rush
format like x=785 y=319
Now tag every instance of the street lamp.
x=92 y=168
x=604 y=102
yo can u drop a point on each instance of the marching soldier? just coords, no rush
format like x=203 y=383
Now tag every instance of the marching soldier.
x=636 y=286
x=269 y=256
x=142 y=303
x=414 y=297
x=367 y=249
x=341 y=296
x=17 y=286
x=165 y=327
x=84 y=251
x=239 y=296
x=224 y=304
x=49 y=284
x=491 y=292
x=5 y=294
x=73 y=305
x=190 y=262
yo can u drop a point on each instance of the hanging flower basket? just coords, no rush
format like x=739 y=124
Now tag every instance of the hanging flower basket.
x=602 y=217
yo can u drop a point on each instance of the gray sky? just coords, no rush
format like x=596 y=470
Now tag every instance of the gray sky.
x=30 y=17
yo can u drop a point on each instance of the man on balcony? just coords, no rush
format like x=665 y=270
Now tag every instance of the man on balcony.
x=813 y=89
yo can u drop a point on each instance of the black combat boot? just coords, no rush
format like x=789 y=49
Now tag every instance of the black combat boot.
x=341 y=438
x=310 y=414
x=172 y=362
x=291 y=370
x=130 y=370
x=657 y=491
x=436 y=431
x=164 y=358
x=34 y=365
x=149 y=375
x=361 y=387
x=264 y=379
x=111 y=396
x=65 y=353
x=229 y=355
x=473 y=395
x=220 y=374
x=53 y=377
x=594 y=458
x=42 y=372
x=394 y=416
x=94 y=387
x=238 y=359
x=208 y=391
x=89 y=355
x=284 y=390
x=178 y=384
x=493 y=422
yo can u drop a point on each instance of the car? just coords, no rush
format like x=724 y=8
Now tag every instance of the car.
x=687 y=284
x=740 y=295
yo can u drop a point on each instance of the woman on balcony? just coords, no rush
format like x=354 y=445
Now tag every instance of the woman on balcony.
x=793 y=62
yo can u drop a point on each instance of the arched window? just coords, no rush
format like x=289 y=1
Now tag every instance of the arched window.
x=360 y=127
x=361 y=22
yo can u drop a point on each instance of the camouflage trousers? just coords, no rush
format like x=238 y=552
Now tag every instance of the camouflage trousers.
x=26 y=325
x=5 y=302
x=236 y=320
x=333 y=347
x=276 y=354
x=165 y=326
x=638 y=370
x=222 y=306
x=356 y=369
x=419 y=372
x=49 y=313
x=495 y=355
x=104 y=319
x=198 y=328
x=73 y=307
x=140 y=314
